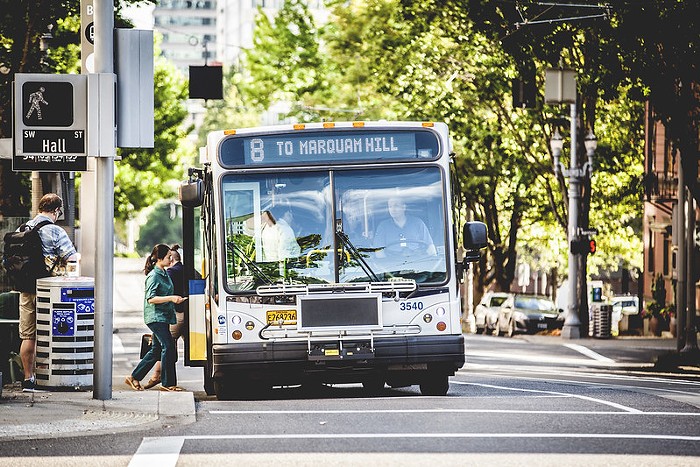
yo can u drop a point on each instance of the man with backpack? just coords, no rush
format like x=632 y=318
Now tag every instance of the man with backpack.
x=57 y=249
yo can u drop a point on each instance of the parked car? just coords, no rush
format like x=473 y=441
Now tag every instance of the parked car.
x=486 y=312
x=522 y=313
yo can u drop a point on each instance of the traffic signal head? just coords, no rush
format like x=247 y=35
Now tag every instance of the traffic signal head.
x=583 y=246
x=591 y=246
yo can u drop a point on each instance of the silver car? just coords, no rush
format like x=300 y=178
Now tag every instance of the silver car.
x=525 y=313
x=486 y=312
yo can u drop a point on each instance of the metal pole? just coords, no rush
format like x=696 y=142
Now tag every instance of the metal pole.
x=691 y=337
x=681 y=259
x=572 y=324
x=104 y=228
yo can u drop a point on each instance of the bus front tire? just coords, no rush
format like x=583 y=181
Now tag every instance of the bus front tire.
x=435 y=385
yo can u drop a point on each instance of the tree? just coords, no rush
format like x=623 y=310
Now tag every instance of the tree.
x=659 y=43
x=141 y=175
x=164 y=225
x=235 y=110
x=284 y=64
x=534 y=34
x=22 y=22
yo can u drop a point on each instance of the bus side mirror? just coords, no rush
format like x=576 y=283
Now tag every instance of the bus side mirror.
x=474 y=235
x=191 y=193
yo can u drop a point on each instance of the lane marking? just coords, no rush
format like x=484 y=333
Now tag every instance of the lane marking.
x=444 y=411
x=586 y=398
x=162 y=451
x=267 y=436
x=586 y=383
x=589 y=353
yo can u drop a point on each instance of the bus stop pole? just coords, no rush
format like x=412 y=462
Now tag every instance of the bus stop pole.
x=104 y=228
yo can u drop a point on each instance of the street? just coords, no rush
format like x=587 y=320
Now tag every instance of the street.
x=517 y=401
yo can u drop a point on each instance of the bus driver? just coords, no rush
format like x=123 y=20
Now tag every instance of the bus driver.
x=401 y=234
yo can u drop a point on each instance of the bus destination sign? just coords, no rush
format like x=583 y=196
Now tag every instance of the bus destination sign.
x=329 y=146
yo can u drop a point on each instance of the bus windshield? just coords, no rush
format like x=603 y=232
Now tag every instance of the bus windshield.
x=327 y=226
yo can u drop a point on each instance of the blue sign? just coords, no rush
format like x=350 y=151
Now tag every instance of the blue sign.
x=329 y=146
x=83 y=297
x=63 y=322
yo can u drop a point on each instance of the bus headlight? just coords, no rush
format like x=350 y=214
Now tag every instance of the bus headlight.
x=249 y=325
x=236 y=319
x=440 y=311
x=427 y=317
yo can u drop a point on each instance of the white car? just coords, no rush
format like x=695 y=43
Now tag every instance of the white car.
x=486 y=312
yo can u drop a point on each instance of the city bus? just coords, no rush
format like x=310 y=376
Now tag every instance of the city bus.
x=328 y=253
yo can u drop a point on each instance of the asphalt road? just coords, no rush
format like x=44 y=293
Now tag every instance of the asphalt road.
x=516 y=402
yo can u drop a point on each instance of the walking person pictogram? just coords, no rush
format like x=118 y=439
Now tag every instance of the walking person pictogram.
x=35 y=99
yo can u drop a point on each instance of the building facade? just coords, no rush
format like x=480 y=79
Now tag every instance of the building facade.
x=660 y=210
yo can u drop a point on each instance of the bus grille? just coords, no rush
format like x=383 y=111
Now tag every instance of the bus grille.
x=324 y=312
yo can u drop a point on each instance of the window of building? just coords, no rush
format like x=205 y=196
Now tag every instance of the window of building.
x=650 y=258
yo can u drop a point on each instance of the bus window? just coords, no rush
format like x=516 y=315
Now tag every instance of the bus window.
x=410 y=248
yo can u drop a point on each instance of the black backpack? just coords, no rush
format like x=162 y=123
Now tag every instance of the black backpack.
x=23 y=257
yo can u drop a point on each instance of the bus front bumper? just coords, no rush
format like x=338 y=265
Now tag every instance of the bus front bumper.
x=342 y=361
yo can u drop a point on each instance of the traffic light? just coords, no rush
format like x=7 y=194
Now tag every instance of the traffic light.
x=591 y=246
x=583 y=246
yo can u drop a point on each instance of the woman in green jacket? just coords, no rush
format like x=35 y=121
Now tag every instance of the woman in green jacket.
x=159 y=314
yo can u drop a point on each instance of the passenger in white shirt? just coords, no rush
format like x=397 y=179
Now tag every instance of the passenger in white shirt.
x=278 y=239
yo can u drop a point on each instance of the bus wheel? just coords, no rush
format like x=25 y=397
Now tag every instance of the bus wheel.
x=374 y=385
x=223 y=390
x=435 y=385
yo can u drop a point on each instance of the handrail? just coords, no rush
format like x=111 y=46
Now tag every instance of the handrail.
x=403 y=285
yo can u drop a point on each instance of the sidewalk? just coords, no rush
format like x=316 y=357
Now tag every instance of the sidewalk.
x=69 y=413
x=54 y=414
x=632 y=352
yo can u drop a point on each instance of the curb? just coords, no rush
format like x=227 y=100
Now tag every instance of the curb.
x=63 y=414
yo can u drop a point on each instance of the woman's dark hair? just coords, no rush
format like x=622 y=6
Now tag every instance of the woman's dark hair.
x=160 y=251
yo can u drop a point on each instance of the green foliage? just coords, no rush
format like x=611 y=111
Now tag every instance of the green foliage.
x=453 y=61
x=164 y=225
x=233 y=111
x=284 y=65
x=141 y=176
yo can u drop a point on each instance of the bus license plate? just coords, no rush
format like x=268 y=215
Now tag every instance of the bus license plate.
x=286 y=316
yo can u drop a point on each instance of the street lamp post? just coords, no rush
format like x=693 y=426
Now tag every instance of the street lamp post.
x=576 y=175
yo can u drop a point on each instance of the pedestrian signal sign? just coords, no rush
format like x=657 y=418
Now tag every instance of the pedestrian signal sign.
x=50 y=122
x=47 y=104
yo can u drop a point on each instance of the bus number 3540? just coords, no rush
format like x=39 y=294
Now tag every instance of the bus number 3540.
x=411 y=306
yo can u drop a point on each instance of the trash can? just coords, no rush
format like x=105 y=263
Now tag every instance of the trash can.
x=65 y=332
x=9 y=338
x=602 y=321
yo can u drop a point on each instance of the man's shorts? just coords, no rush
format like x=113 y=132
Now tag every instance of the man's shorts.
x=178 y=330
x=27 y=316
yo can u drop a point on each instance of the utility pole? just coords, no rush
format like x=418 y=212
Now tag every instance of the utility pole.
x=560 y=87
x=104 y=228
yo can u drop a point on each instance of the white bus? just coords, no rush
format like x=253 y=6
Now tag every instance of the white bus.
x=328 y=252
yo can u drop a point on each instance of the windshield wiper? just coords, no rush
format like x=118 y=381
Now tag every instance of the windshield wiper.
x=356 y=253
x=251 y=265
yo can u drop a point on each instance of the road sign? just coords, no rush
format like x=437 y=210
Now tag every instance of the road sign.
x=87 y=36
x=50 y=122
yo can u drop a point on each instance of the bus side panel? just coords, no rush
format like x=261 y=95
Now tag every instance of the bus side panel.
x=197 y=321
